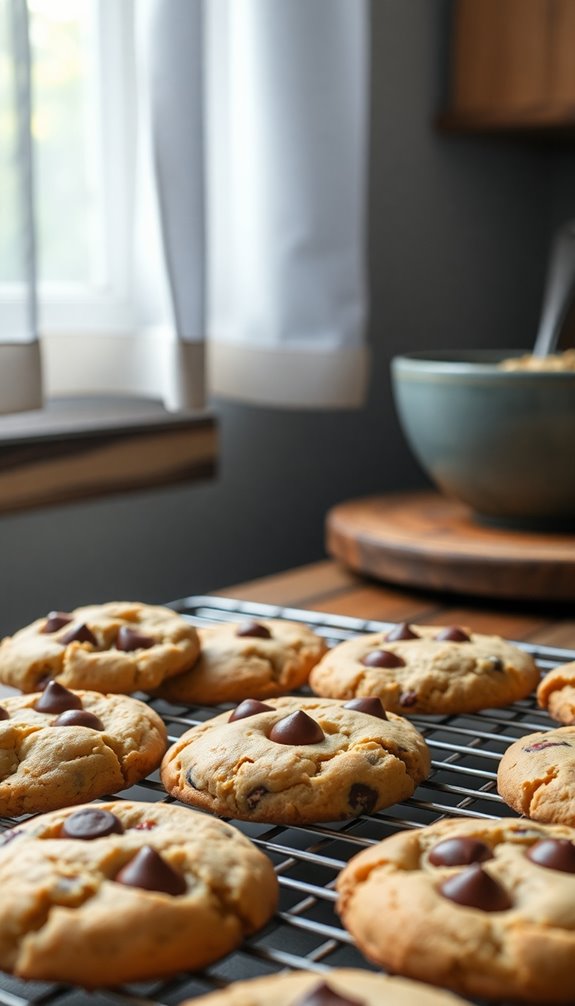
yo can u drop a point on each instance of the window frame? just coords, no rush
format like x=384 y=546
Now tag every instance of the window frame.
x=65 y=308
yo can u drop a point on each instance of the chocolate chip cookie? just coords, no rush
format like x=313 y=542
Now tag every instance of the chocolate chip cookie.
x=61 y=747
x=123 y=891
x=556 y=693
x=257 y=659
x=536 y=776
x=115 y=647
x=486 y=908
x=297 y=760
x=426 y=669
x=341 y=987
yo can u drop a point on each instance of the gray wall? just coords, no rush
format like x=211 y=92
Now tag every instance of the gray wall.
x=459 y=231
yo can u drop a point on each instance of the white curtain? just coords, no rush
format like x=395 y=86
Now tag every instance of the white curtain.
x=249 y=214
x=288 y=149
x=20 y=370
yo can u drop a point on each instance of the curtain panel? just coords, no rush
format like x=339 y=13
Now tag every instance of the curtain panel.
x=249 y=210
x=288 y=86
x=20 y=366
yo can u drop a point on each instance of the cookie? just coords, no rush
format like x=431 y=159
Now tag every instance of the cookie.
x=486 y=908
x=536 y=776
x=60 y=747
x=247 y=659
x=297 y=760
x=556 y=693
x=341 y=987
x=427 y=669
x=125 y=891
x=115 y=647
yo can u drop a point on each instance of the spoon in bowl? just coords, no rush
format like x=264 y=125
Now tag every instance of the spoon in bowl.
x=557 y=323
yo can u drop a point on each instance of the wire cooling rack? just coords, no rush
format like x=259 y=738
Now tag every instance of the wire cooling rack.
x=306 y=932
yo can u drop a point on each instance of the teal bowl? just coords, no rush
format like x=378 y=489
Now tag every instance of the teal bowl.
x=501 y=441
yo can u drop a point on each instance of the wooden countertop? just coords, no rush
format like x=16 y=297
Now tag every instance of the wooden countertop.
x=329 y=587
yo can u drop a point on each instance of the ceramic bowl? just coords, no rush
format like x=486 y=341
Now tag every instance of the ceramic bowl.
x=501 y=441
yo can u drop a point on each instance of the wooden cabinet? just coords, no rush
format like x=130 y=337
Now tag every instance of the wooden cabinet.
x=512 y=66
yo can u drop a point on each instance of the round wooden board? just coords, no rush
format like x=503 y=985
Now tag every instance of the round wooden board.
x=427 y=541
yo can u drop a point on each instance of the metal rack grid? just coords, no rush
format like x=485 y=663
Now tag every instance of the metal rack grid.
x=306 y=932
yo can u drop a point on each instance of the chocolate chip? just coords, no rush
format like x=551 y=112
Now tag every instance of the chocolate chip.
x=453 y=634
x=298 y=728
x=372 y=706
x=91 y=823
x=250 y=628
x=56 y=620
x=401 y=631
x=249 y=707
x=541 y=745
x=42 y=682
x=382 y=658
x=554 y=853
x=78 y=718
x=254 y=797
x=4 y=715
x=475 y=888
x=79 y=634
x=323 y=995
x=459 y=852
x=496 y=664
x=55 y=699
x=362 y=799
x=148 y=870
x=129 y=639
x=190 y=779
x=407 y=699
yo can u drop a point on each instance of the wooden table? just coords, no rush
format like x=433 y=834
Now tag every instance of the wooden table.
x=329 y=587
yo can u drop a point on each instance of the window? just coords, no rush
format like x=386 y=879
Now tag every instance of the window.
x=83 y=143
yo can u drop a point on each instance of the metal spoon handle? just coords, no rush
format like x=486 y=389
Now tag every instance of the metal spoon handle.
x=557 y=322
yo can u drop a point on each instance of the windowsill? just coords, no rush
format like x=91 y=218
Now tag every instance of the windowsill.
x=84 y=448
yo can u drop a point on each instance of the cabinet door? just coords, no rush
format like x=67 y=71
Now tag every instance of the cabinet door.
x=562 y=55
x=502 y=56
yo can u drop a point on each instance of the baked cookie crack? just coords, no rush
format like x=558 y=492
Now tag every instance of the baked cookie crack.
x=532 y=788
x=67 y=892
x=231 y=907
x=400 y=754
